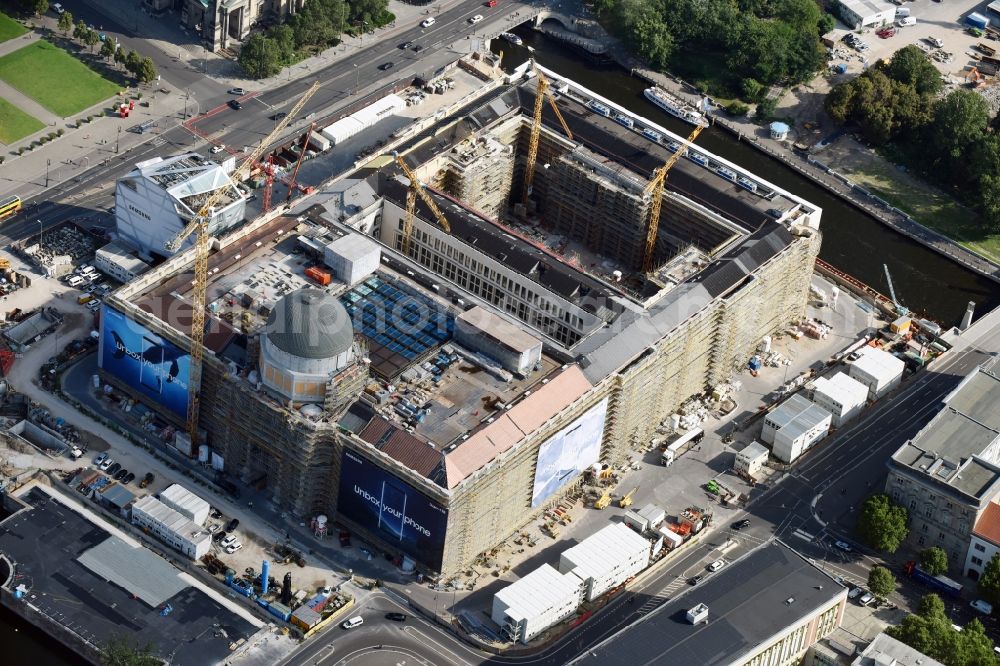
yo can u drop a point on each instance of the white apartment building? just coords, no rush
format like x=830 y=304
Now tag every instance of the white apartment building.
x=985 y=541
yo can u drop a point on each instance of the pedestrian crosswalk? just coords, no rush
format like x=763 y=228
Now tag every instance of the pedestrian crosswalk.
x=653 y=603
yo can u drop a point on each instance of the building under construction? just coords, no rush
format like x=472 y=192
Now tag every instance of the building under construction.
x=437 y=400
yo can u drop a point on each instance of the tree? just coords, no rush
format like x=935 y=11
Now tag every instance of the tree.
x=929 y=630
x=65 y=22
x=91 y=39
x=934 y=560
x=108 y=49
x=120 y=55
x=146 y=71
x=882 y=524
x=39 y=7
x=260 y=57
x=960 y=119
x=989 y=582
x=909 y=65
x=881 y=582
x=117 y=651
x=80 y=30
x=132 y=61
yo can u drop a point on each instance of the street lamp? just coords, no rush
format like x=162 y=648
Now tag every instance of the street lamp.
x=187 y=95
x=119 y=135
x=39 y=232
x=357 y=78
x=48 y=163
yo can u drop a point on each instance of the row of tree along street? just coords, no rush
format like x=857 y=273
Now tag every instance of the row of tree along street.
x=316 y=27
x=947 y=140
x=141 y=68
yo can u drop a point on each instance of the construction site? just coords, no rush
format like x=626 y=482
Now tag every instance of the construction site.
x=437 y=344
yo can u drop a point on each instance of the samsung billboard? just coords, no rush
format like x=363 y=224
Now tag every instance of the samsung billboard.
x=378 y=501
x=568 y=452
x=144 y=361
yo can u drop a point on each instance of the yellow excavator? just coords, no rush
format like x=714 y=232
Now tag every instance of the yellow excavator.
x=604 y=500
x=626 y=500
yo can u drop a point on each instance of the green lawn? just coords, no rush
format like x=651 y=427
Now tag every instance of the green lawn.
x=15 y=124
x=930 y=207
x=55 y=79
x=9 y=28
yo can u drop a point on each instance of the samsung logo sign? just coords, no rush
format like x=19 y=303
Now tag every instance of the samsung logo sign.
x=140 y=213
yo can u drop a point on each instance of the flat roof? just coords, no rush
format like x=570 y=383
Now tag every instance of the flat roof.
x=798 y=415
x=841 y=388
x=515 y=338
x=957 y=447
x=885 y=650
x=750 y=601
x=537 y=592
x=865 y=8
x=135 y=569
x=173 y=520
x=879 y=363
x=98 y=604
x=605 y=549
x=181 y=497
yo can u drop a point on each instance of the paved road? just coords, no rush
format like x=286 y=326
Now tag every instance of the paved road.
x=809 y=510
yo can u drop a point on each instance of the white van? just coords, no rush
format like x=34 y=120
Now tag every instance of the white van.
x=904 y=22
x=355 y=621
x=902 y=12
x=75 y=281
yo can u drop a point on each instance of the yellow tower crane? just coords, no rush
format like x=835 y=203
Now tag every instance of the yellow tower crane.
x=200 y=225
x=541 y=93
x=416 y=189
x=655 y=188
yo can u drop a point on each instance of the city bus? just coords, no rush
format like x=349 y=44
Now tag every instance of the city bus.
x=9 y=206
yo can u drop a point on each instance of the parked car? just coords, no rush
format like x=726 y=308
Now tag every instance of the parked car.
x=122 y=473
x=108 y=462
x=694 y=580
x=984 y=607
x=233 y=547
x=228 y=541
x=355 y=621
x=113 y=469
x=716 y=565
x=843 y=545
x=219 y=536
x=866 y=599
x=855 y=593
x=396 y=617
x=235 y=104
x=741 y=524
x=237 y=91
x=233 y=524
x=129 y=478
x=148 y=479
x=100 y=458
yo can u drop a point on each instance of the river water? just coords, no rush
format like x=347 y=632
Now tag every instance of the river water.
x=24 y=645
x=855 y=243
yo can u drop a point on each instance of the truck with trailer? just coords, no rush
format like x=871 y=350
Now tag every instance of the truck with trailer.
x=680 y=444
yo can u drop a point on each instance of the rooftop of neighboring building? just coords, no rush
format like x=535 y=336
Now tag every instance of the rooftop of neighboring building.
x=750 y=601
x=887 y=651
x=100 y=581
x=797 y=416
x=988 y=525
x=841 y=388
x=958 y=447
x=188 y=178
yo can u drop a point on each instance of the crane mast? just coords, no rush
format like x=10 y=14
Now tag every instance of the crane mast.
x=199 y=226
x=542 y=93
x=416 y=189
x=655 y=188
